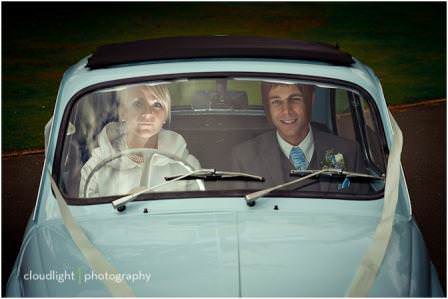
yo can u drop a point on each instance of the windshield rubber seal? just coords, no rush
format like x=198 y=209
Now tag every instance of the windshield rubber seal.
x=223 y=193
x=207 y=75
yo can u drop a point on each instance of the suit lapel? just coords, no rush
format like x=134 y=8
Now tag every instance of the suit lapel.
x=272 y=152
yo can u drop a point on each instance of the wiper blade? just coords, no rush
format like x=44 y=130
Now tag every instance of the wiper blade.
x=307 y=174
x=216 y=175
x=335 y=172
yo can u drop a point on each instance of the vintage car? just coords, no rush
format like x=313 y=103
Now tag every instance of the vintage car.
x=167 y=173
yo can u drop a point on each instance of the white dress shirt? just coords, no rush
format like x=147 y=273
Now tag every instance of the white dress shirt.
x=307 y=146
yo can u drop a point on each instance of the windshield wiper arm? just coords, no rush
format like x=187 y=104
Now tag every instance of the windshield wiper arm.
x=306 y=174
x=335 y=172
x=214 y=175
x=122 y=201
x=251 y=197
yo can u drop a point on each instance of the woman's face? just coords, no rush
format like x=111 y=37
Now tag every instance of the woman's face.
x=143 y=112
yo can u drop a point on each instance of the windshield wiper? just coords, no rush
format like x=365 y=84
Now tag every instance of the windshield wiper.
x=214 y=175
x=335 y=172
x=120 y=203
x=201 y=174
x=307 y=174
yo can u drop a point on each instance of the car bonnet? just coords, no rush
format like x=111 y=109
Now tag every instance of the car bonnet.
x=256 y=252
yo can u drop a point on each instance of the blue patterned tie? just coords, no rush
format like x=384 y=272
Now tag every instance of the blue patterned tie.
x=298 y=158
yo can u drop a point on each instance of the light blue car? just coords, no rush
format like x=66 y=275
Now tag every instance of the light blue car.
x=222 y=166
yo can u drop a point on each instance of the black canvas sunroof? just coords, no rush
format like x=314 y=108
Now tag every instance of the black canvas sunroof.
x=215 y=47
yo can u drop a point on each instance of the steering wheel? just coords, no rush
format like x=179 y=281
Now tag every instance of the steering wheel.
x=148 y=153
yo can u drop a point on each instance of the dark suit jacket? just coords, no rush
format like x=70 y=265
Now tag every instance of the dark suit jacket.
x=263 y=156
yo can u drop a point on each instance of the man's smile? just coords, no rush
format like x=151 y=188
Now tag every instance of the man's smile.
x=289 y=121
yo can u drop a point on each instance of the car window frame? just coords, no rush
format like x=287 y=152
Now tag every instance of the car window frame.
x=210 y=75
x=360 y=130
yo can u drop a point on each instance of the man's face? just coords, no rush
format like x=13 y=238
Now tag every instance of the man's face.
x=290 y=111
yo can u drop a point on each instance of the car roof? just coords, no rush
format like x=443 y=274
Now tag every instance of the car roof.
x=192 y=47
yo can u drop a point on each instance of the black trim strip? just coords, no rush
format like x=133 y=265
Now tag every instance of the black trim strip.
x=203 y=75
x=223 y=193
x=360 y=130
x=359 y=123
x=333 y=110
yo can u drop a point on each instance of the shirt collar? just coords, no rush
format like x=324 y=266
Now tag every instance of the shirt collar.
x=307 y=145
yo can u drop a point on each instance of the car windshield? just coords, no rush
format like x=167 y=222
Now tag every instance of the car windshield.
x=246 y=134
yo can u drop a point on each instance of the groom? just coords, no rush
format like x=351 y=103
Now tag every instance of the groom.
x=294 y=144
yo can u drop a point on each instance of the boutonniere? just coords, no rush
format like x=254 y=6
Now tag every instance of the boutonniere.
x=333 y=159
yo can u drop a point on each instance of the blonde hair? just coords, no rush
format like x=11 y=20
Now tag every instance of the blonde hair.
x=160 y=91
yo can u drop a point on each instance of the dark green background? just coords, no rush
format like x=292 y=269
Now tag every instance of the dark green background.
x=404 y=43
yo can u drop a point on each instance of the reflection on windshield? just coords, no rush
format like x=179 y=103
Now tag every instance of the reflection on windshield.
x=132 y=137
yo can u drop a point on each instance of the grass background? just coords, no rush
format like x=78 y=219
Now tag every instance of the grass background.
x=404 y=43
